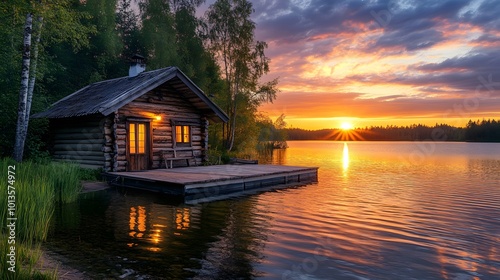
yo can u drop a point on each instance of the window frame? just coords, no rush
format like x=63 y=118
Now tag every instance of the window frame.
x=137 y=138
x=184 y=136
x=190 y=123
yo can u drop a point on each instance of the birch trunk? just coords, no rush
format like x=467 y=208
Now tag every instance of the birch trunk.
x=232 y=128
x=32 y=77
x=23 y=92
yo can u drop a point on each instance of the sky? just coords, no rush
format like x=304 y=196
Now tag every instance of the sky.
x=377 y=62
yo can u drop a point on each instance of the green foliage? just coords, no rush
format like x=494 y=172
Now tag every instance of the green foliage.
x=87 y=174
x=61 y=23
x=38 y=186
x=230 y=31
x=36 y=144
x=158 y=33
x=89 y=41
x=127 y=22
x=271 y=134
x=65 y=178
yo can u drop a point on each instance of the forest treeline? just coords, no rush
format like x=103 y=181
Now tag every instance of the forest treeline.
x=474 y=131
x=75 y=43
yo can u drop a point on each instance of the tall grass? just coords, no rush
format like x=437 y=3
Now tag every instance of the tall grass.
x=66 y=181
x=38 y=187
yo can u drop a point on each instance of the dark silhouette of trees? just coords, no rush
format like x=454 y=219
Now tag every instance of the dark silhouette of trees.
x=418 y=132
x=475 y=131
x=483 y=131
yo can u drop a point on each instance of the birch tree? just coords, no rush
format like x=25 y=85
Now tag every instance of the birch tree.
x=64 y=26
x=32 y=74
x=23 y=92
x=230 y=32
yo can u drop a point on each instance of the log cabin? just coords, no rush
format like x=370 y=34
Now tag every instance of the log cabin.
x=139 y=122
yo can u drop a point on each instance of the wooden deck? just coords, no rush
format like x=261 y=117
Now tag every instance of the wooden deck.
x=207 y=182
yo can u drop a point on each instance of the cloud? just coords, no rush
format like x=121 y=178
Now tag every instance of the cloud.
x=478 y=61
x=336 y=105
x=484 y=14
x=464 y=74
x=411 y=41
x=380 y=58
x=289 y=21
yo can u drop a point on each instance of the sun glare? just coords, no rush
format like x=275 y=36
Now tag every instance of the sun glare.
x=346 y=126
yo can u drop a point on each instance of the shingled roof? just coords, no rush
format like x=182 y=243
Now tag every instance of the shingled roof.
x=106 y=97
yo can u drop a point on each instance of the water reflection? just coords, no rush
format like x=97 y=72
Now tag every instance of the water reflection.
x=389 y=218
x=182 y=219
x=374 y=214
x=272 y=156
x=137 y=222
x=139 y=231
x=345 y=159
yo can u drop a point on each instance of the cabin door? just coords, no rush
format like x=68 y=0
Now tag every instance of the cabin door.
x=138 y=146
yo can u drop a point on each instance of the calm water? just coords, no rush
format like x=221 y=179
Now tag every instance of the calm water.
x=381 y=210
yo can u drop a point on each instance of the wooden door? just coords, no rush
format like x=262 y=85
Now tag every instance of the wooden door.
x=138 y=146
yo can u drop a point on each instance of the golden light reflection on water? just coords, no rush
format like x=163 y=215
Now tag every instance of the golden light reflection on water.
x=182 y=219
x=397 y=196
x=345 y=160
x=375 y=207
x=137 y=221
x=154 y=223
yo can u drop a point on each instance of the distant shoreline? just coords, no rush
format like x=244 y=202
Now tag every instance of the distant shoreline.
x=486 y=131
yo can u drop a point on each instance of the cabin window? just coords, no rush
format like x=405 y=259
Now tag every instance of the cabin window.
x=182 y=134
x=137 y=138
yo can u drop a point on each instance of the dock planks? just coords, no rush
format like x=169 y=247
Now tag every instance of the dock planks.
x=208 y=182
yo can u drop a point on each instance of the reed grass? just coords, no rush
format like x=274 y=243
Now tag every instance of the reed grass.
x=66 y=181
x=38 y=187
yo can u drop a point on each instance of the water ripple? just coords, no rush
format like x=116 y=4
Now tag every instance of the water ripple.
x=424 y=223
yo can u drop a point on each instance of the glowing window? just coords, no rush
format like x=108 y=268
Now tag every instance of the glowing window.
x=131 y=138
x=137 y=138
x=182 y=134
x=141 y=143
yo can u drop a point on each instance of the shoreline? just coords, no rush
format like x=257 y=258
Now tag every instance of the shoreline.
x=93 y=186
x=51 y=262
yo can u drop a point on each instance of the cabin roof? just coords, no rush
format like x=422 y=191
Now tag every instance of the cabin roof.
x=107 y=96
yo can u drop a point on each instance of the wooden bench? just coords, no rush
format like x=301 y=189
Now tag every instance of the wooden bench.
x=170 y=155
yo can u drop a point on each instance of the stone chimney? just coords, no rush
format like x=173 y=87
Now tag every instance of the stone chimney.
x=137 y=65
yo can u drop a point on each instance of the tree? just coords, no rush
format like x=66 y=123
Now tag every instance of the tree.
x=65 y=25
x=193 y=58
x=230 y=33
x=105 y=45
x=23 y=93
x=128 y=29
x=158 y=33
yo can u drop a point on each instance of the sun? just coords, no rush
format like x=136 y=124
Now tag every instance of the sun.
x=345 y=131
x=346 y=126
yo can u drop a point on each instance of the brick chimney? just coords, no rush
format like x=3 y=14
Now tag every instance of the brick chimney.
x=137 y=65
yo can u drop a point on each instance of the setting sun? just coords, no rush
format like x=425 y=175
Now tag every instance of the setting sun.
x=346 y=126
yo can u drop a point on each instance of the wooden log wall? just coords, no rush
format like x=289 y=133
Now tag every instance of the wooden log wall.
x=169 y=105
x=119 y=145
x=205 y=139
x=79 y=140
x=109 y=148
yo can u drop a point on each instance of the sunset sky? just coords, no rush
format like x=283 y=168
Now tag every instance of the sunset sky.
x=382 y=62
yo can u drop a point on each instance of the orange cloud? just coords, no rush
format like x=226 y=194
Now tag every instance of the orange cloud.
x=419 y=65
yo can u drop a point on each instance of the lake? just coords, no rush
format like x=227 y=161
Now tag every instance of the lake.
x=381 y=210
